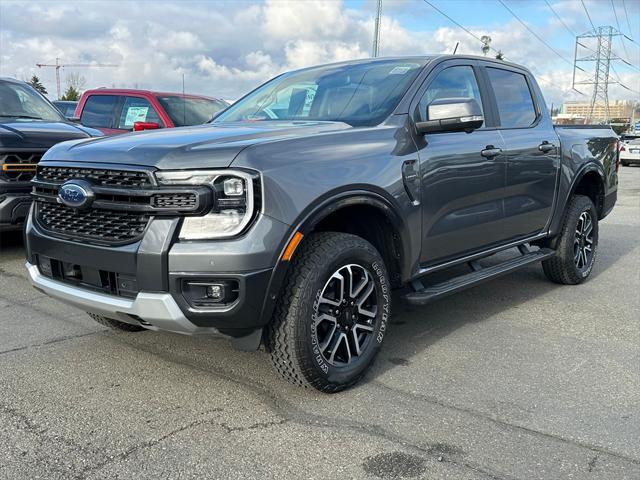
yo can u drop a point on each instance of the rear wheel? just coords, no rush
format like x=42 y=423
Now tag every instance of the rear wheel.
x=577 y=245
x=624 y=163
x=331 y=319
x=115 y=324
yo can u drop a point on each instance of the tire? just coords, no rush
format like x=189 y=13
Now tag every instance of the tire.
x=577 y=245
x=624 y=164
x=115 y=324
x=313 y=340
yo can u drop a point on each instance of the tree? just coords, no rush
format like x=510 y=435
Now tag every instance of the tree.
x=71 y=94
x=35 y=83
x=75 y=84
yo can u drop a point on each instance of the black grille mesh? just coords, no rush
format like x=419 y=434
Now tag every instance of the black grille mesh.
x=102 y=225
x=118 y=178
x=174 y=200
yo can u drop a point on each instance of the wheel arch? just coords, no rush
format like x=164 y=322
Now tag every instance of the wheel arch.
x=590 y=182
x=385 y=228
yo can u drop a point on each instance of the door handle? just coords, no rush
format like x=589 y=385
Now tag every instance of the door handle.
x=546 y=147
x=490 y=151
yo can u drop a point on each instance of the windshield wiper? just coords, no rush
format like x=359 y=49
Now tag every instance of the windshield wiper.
x=21 y=116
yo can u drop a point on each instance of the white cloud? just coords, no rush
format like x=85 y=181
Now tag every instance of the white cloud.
x=227 y=48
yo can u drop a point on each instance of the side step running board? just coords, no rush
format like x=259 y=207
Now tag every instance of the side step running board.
x=428 y=294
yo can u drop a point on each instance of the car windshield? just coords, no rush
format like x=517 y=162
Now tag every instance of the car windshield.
x=361 y=94
x=185 y=111
x=23 y=102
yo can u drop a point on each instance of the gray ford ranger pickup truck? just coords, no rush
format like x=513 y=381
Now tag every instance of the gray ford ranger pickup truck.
x=290 y=218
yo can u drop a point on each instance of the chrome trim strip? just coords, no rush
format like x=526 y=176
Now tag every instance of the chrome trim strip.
x=160 y=310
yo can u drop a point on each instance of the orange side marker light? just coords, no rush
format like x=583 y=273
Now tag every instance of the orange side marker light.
x=293 y=244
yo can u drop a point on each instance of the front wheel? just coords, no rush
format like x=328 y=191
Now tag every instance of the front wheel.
x=332 y=315
x=577 y=245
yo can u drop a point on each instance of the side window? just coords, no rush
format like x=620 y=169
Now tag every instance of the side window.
x=99 y=110
x=515 y=104
x=136 y=109
x=452 y=82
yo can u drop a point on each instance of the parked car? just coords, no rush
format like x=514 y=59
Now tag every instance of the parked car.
x=66 y=107
x=630 y=152
x=29 y=125
x=115 y=111
x=290 y=218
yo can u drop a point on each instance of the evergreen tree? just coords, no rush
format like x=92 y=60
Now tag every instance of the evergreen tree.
x=71 y=94
x=35 y=83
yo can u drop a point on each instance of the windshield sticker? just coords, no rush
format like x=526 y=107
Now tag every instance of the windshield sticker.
x=135 y=114
x=399 y=70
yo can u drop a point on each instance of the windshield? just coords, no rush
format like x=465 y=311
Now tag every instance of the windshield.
x=357 y=94
x=185 y=111
x=22 y=101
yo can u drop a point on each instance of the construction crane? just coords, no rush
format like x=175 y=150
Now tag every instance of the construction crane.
x=59 y=65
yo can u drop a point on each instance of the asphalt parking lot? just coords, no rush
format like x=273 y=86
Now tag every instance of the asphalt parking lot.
x=516 y=379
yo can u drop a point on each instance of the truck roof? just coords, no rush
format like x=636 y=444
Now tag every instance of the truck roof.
x=138 y=91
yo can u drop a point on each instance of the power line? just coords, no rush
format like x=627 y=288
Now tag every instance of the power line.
x=536 y=35
x=560 y=18
x=588 y=16
x=453 y=21
x=626 y=14
x=624 y=47
x=497 y=51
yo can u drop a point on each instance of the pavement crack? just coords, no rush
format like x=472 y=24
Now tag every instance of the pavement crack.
x=504 y=423
x=50 y=342
x=150 y=443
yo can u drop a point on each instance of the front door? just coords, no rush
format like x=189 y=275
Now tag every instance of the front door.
x=462 y=174
x=531 y=153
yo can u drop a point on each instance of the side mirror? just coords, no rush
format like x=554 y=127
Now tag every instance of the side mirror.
x=452 y=115
x=139 y=126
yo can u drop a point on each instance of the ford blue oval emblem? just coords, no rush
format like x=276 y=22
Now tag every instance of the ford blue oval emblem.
x=76 y=194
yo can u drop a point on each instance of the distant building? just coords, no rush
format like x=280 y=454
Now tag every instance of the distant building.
x=617 y=109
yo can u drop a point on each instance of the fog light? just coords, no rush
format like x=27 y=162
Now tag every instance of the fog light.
x=215 y=292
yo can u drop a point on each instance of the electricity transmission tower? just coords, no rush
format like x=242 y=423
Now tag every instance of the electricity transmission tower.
x=59 y=65
x=375 y=50
x=602 y=56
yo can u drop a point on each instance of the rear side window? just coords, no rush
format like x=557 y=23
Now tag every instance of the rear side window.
x=99 y=111
x=136 y=109
x=515 y=104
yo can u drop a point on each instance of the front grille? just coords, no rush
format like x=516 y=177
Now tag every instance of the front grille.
x=174 y=200
x=100 y=225
x=98 y=176
x=19 y=166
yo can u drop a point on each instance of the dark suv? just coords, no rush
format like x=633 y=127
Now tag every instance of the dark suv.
x=29 y=125
x=290 y=218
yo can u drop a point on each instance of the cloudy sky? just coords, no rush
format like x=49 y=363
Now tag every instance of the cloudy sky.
x=225 y=48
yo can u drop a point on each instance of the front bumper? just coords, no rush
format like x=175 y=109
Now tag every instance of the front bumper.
x=158 y=265
x=159 y=310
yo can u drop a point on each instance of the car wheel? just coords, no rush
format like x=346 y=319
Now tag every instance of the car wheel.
x=331 y=318
x=624 y=164
x=577 y=246
x=115 y=324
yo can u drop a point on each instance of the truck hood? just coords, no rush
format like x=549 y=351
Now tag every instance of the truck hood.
x=37 y=134
x=202 y=146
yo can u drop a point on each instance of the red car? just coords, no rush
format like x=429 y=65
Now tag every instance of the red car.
x=114 y=111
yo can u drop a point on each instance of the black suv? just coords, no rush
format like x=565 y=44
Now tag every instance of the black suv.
x=29 y=125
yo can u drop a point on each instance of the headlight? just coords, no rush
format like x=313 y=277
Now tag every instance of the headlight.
x=234 y=202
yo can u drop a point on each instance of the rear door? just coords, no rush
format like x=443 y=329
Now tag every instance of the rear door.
x=462 y=174
x=532 y=153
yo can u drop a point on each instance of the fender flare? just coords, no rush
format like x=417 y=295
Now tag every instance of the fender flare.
x=585 y=169
x=314 y=214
